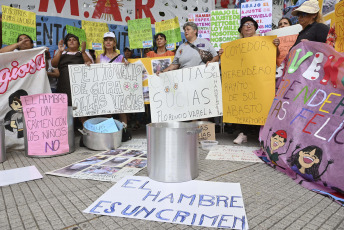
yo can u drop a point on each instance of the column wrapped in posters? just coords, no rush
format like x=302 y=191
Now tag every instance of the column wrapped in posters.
x=248 y=79
x=22 y=73
x=106 y=88
x=303 y=134
x=186 y=94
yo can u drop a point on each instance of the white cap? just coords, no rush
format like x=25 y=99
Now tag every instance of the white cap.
x=109 y=35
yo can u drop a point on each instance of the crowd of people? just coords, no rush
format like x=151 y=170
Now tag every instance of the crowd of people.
x=195 y=51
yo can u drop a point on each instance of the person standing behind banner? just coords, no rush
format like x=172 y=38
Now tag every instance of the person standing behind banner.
x=52 y=72
x=161 y=51
x=24 y=42
x=284 y=22
x=71 y=56
x=191 y=53
x=311 y=21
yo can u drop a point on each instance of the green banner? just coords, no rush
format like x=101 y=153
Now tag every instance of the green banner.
x=170 y=28
x=173 y=36
x=140 y=33
x=10 y=32
x=80 y=33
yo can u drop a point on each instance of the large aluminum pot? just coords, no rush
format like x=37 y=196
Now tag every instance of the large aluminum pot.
x=172 y=151
x=102 y=141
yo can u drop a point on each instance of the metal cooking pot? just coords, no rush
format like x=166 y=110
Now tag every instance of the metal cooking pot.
x=102 y=141
x=172 y=151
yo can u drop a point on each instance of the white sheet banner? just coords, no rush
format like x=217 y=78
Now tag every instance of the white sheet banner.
x=106 y=88
x=200 y=203
x=22 y=73
x=186 y=94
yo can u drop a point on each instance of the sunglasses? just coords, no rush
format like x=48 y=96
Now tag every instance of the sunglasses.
x=301 y=14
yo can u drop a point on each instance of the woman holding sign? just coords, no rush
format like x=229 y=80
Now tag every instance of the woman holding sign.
x=70 y=56
x=196 y=51
x=24 y=42
x=161 y=51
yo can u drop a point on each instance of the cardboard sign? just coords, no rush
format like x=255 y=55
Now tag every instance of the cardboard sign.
x=94 y=33
x=248 y=79
x=106 y=88
x=16 y=22
x=203 y=24
x=46 y=124
x=224 y=26
x=199 y=203
x=186 y=94
x=233 y=153
x=80 y=33
x=261 y=11
x=208 y=131
x=170 y=28
x=140 y=31
x=339 y=19
x=303 y=134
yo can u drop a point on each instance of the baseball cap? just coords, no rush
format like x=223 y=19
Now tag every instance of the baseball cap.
x=109 y=35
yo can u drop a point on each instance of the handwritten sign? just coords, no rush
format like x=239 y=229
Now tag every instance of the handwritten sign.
x=286 y=42
x=106 y=88
x=248 y=79
x=140 y=31
x=224 y=26
x=303 y=134
x=112 y=165
x=16 y=22
x=80 y=33
x=339 y=19
x=208 y=130
x=170 y=28
x=94 y=33
x=203 y=24
x=261 y=11
x=233 y=153
x=200 y=203
x=46 y=123
x=186 y=94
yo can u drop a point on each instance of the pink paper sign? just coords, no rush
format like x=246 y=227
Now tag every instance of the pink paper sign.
x=46 y=124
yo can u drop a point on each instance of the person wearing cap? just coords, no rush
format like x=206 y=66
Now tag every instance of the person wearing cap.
x=310 y=19
x=188 y=54
x=160 y=51
x=110 y=46
x=24 y=42
x=69 y=56
x=128 y=53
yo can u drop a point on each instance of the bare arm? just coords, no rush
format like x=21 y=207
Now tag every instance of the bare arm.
x=171 y=67
x=55 y=61
x=55 y=73
x=98 y=59
x=12 y=47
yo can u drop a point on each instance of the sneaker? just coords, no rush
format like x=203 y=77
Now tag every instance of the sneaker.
x=240 y=139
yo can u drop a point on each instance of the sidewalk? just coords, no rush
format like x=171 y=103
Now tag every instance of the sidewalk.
x=272 y=199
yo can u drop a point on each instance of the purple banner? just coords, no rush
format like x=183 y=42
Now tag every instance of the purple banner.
x=304 y=133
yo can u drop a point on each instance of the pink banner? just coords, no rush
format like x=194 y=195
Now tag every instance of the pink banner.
x=46 y=124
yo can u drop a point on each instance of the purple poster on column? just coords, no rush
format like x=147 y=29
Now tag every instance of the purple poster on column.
x=304 y=133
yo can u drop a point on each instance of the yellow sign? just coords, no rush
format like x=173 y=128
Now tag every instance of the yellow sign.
x=248 y=79
x=18 y=17
x=339 y=19
x=94 y=33
x=170 y=28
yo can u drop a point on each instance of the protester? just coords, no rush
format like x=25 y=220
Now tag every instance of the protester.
x=311 y=21
x=160 y=51
x=52 y=72
x=63 y=58
x=146 y=51
x=188 y=54
x=284 y=22
x=128 y=53
x=24 y=42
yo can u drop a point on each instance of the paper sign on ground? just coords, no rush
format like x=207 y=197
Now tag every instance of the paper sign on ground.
x=170 y=28
x=18 y=175
x=233 y=153
x=111 y=165
x=203 y=24
x=199 y=203
x=224 y=26
x=339 y=19
x=140 y=32
x=106 y=88
x=16 y=22
x=80 y=33
x=261 y=11
x=248 y=79
x=186 y=94
x=46 y=123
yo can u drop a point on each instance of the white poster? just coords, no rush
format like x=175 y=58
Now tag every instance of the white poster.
x=22 y=73
x=106 y=88
x=199 y=203
x=261 y=11
x=186 y=94
x=285 y=31
x=18 y=175
x=233 y=153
